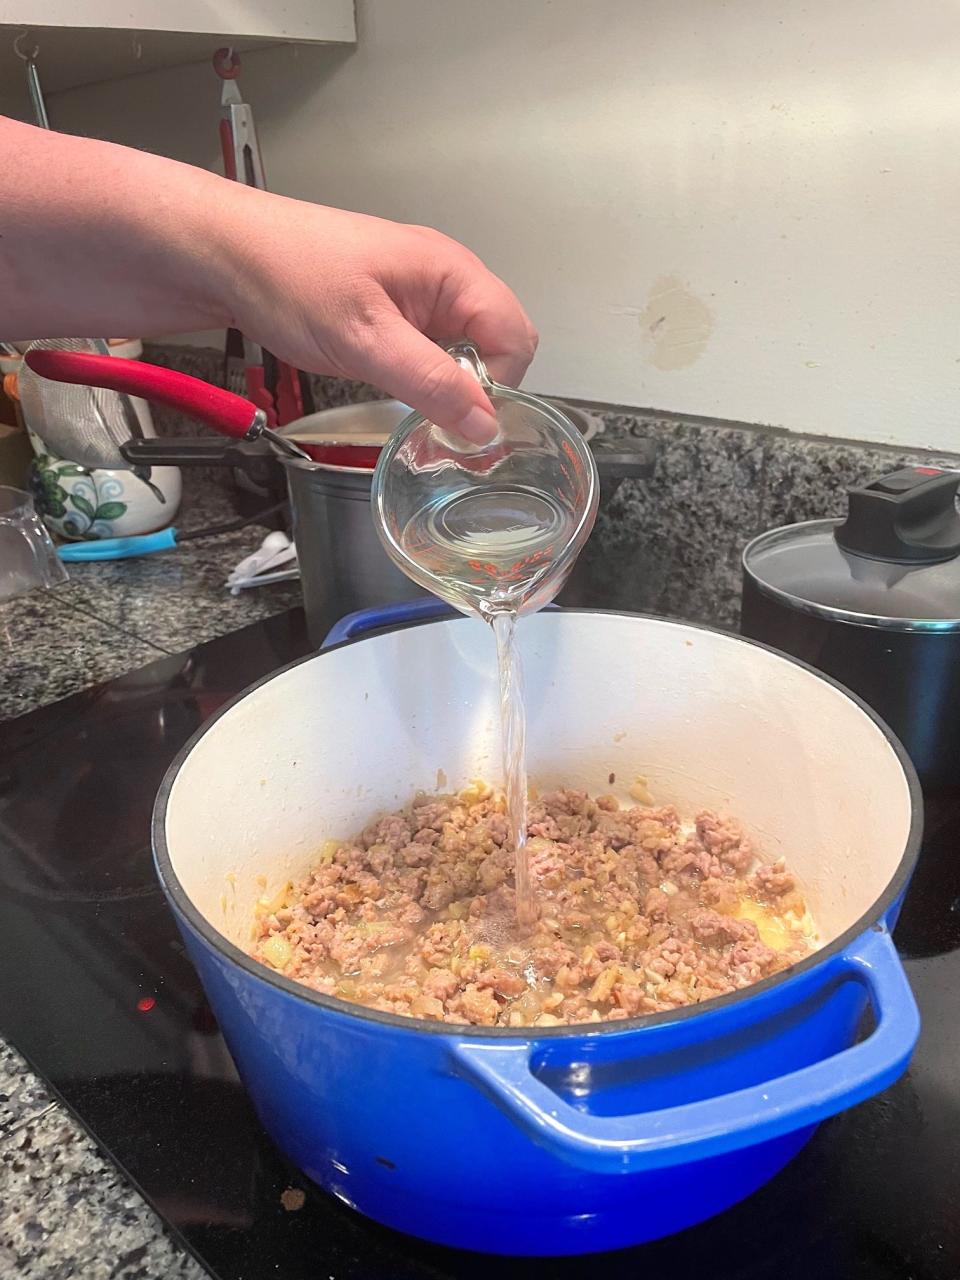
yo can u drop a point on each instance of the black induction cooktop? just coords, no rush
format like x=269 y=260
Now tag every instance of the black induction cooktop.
x=110 y=1012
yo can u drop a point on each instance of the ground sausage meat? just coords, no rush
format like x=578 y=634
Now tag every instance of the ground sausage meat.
x=639 y=913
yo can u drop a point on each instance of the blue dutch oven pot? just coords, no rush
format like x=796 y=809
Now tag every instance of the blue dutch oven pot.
x=566 y=1139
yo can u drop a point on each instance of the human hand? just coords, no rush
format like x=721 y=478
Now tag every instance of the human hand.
x=359 y=297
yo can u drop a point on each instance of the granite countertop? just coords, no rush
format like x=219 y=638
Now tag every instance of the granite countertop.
x=65 y=1211
x=116 y=615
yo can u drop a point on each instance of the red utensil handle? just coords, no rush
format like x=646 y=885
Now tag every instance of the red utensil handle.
x=289 y=396
x=229 y=414
x=226 y=147
x=259 y=392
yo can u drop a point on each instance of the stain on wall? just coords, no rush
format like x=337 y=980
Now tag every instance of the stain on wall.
x=675 y=324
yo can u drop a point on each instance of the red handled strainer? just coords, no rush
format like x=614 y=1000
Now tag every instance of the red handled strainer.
x=94 y=444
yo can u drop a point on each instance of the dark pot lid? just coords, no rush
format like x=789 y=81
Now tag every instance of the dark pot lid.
x=894 y=561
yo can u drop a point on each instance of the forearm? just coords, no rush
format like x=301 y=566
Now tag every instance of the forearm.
x=99 y=240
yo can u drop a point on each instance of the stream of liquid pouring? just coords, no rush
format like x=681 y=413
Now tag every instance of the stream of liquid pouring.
x=513 y=725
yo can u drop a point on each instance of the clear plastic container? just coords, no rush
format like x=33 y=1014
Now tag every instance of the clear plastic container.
x=28 y=558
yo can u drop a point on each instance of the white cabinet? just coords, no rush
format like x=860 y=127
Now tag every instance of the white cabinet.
x=99 y=40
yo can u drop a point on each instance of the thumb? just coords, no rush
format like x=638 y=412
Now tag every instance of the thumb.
x=407 y=365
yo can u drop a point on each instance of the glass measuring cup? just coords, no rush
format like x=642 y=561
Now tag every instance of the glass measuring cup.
x=28 y=558
x=491 y=528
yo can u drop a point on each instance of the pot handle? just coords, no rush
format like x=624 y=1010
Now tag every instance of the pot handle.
x=423 y=609
x=388 y=615
x=712 y=1126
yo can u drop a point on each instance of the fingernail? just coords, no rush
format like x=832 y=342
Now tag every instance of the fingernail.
x=478 y=426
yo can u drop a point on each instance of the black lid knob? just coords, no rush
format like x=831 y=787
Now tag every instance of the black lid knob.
x=907 y=517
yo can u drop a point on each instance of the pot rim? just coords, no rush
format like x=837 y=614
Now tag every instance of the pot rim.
x=308 y=464
x=588 y=425
x=833 y=613
x=170 y=882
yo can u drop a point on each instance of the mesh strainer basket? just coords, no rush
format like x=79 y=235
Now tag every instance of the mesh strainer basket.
x=86 y=425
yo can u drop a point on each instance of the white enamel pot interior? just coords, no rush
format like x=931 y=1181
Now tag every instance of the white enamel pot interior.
x=710 y=720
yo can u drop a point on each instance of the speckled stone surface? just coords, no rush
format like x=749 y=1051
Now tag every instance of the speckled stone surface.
x=177 y=599
x=23 y=1096
x=808 y=479
x=207 y=363
x=671 y=544
x=50 y=648
x=114 y=616
x=68 y=1215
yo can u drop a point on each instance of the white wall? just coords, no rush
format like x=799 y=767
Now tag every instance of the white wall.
x=745 y=209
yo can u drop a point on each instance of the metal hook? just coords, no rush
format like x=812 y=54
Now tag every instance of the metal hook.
x=226 y=63
x=29 y=61
x=137 y=48
x=18 y=47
